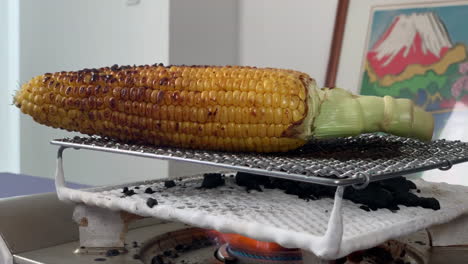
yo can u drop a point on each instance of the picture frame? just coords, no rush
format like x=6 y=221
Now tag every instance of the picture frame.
x=415 y=49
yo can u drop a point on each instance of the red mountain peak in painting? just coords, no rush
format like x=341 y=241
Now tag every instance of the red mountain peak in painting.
x=418 y=38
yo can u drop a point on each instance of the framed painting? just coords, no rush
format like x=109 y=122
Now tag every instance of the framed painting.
x=409 y=49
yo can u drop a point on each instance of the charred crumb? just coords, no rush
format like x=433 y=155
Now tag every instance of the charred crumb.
x=372 y=196
x=411 y=199
x=430 y=202
x=129 y=192
x=100 y=259
x=411 y=184
x=149 y=190
x=212 y=180
x=125 y=189
x=399 y=184
x=169 y=184
x=251 y=181
x=112 y=253
x=151 y=202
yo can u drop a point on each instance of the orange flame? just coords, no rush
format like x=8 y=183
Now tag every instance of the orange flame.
x=241 y=242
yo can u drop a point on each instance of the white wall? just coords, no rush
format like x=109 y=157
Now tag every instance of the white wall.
x=9 y=115
x=293 y=34
x=204 y=32
x=70 y=35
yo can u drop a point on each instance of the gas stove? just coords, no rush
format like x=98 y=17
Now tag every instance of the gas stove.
x=38 y=230
x=116 y=224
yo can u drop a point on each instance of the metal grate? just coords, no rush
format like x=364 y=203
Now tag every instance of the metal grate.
x=337 y=162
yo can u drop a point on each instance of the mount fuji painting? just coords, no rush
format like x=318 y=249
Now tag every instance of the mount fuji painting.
x=420 y=53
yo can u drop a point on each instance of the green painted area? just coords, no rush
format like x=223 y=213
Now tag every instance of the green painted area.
x=430 y=82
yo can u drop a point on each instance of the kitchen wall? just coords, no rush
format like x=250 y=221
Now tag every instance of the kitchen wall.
x=9 y=121
x=295 y=35
x=68 y=35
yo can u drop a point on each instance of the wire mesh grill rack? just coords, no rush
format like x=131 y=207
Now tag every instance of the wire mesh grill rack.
x=336 y=162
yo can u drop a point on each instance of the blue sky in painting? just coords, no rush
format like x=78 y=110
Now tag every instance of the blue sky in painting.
x=455 y=19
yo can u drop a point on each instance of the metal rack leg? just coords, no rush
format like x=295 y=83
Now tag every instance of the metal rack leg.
x=334 y=234
x=5 y=254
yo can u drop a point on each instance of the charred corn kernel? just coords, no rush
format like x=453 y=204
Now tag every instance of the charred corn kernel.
x=224 y=108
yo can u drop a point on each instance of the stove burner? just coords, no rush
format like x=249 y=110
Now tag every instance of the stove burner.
x=229 y=255
x=223 y=255
x=201 y=246
x=250 y=257
x=249 y=251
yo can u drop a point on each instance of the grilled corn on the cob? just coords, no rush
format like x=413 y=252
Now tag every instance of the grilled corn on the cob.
x=222 y=108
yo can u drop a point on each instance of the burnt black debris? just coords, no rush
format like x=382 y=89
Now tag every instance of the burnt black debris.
x=149 y=190
x=157 y=260
x=125 y=189
x=252 y=181
x=112 y=253
x=129 y=192
x=373 y=196
x=212 y=180
x=151 y=202
x=387 y=194
x=100 y=259
x=169 y=184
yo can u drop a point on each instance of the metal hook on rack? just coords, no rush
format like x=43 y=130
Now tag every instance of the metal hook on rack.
x=446 y=167
x=360 y=186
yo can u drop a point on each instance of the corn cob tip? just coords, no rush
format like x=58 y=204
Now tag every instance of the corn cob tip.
x=346 y=114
